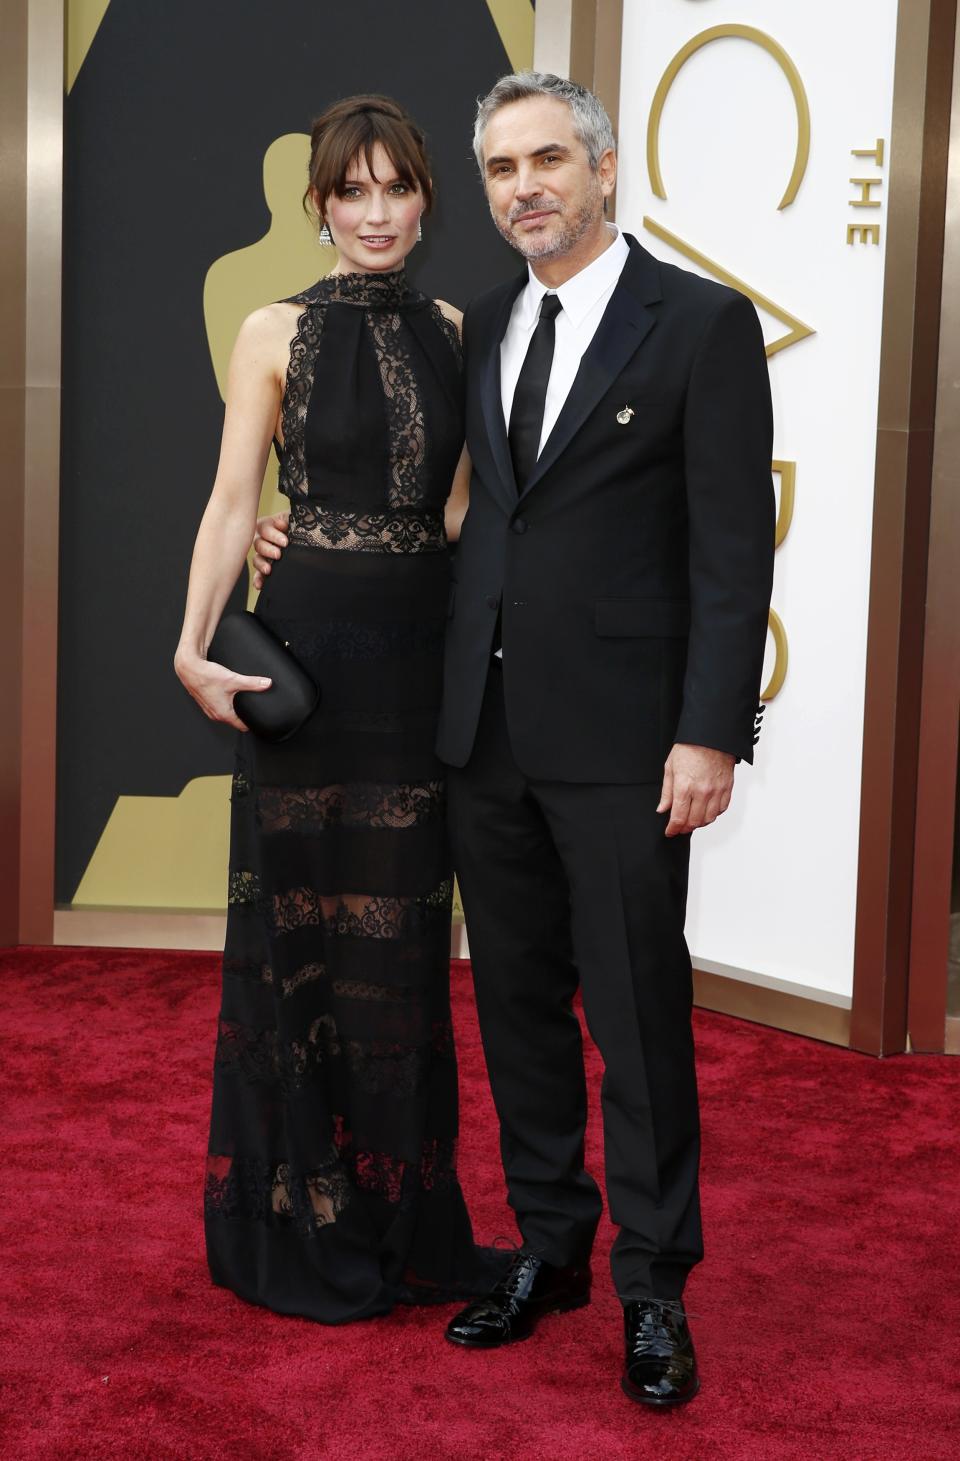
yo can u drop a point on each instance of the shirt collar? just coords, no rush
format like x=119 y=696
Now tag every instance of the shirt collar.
x=579 y=294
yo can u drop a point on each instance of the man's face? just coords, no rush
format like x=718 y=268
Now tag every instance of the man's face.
x=543 y=194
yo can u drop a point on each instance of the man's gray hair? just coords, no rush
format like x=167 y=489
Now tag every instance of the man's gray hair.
x=590 y=121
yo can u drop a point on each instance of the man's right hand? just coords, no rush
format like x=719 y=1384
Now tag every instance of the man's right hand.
x=269 y=541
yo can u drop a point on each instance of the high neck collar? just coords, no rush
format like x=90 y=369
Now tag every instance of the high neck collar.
x=371 y=291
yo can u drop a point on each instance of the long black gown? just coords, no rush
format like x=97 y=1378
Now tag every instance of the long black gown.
x=331 y=1187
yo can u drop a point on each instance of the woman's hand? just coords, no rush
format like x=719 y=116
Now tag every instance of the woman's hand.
x=269 y=541
x=213 y=686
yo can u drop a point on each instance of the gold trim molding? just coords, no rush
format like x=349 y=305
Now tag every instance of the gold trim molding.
x=794 y=1013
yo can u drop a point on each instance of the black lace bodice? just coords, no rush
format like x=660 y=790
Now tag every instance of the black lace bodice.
x=372 y=415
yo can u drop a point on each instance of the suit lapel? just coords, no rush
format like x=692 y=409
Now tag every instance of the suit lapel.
x=629 y=317
x=491 y=398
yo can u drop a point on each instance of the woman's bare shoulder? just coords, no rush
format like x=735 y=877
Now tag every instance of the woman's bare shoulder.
x=271 y=320
x=265 y=336
x=451 y=313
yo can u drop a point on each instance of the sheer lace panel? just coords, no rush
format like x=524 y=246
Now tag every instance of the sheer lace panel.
x=244 y=1189
x=399 y=531
x=405 y=427
x=359 y=804
x=306 y=974
x=292 y=476
x=243 y=888
x=349 y=989
x=374 y=993
x=377 y=1067
x=356 y=915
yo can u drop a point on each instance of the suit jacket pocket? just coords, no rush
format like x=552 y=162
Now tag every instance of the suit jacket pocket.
x=642 y=618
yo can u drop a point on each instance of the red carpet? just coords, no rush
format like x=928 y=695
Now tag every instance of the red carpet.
x=828 y=1307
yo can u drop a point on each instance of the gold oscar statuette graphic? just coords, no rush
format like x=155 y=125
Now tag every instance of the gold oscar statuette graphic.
x=284 y=261
x=171 y=852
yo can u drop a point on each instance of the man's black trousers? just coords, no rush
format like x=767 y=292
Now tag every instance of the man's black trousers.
x=568 y=884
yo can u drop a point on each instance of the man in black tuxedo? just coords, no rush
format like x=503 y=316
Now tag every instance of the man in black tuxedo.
x=603 y=662
x=603 y=665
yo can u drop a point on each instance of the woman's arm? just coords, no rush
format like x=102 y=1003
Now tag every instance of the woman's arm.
x=253 y=398
x=459 y=500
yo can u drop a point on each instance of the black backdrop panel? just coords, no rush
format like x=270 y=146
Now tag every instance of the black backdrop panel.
x=166 y=129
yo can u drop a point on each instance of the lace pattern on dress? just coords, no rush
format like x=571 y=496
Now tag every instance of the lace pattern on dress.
x=367 y=532
x=381 y=297
x=242 y=1189
x=243 y=889
x=376 y=1067
x=357 y=916
x=239 y=1188
x=405 y=428
x=292 y=476
x=357 y=804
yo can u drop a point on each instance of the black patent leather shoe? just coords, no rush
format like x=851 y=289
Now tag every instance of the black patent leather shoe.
x=661 y=1367
x=530 y=1289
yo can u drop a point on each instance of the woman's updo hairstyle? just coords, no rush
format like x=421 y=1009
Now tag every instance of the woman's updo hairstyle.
x=354 y=126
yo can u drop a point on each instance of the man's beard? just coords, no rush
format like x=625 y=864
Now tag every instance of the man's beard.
x=564 y=239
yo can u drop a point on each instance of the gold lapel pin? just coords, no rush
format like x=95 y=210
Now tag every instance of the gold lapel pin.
x=624 y=416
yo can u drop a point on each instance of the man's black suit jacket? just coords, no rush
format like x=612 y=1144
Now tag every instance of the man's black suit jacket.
x=634 y=570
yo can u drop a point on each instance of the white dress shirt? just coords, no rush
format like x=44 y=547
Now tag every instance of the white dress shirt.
x=583 y=300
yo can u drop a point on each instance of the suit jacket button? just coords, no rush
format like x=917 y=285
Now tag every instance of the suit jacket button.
x=520 y=525
x=491 y=602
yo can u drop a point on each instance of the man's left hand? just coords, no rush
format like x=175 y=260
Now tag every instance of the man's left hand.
x=697 y=787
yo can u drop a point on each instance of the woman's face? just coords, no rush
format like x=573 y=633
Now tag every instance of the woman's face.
x=374 y=224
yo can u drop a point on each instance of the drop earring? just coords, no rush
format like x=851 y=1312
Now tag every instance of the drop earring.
x=420 y=231
x=325 y=237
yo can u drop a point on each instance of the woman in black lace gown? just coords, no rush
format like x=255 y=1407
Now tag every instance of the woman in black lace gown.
x=331 y=1185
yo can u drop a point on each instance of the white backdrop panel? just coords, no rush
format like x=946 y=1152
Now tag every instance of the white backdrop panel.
x=773 y=885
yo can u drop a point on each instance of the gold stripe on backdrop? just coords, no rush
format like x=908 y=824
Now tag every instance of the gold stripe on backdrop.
x=514 y=21
x=83 y=19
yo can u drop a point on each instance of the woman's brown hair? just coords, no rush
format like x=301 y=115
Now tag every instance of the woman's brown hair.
x=354 y=126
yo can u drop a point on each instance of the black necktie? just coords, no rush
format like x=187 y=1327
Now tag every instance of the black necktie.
x=526 y=413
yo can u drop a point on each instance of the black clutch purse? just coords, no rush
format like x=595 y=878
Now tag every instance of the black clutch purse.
x=244 y=644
